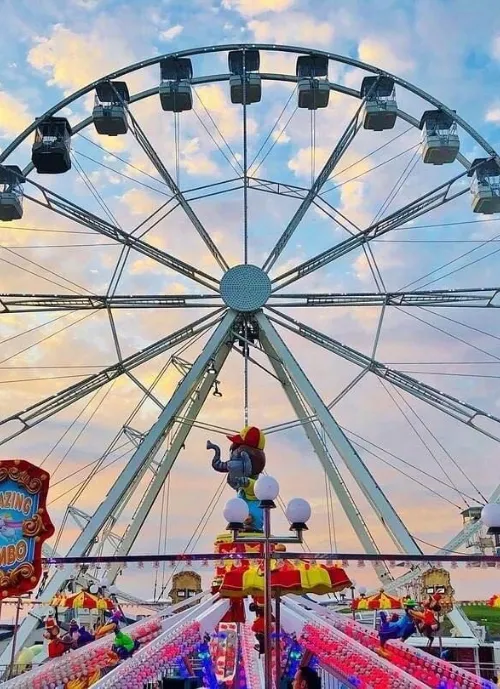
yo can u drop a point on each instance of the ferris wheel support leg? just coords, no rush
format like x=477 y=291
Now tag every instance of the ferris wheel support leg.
x=126 y=478
x=167 y=462
x=370 y=488
x=334 y=476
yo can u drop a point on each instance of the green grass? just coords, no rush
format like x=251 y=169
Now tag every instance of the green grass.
x=485 y=616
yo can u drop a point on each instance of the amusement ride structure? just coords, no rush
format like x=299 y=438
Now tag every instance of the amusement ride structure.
x=245 y=308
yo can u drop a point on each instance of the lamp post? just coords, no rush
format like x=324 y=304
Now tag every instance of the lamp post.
x=298 y=513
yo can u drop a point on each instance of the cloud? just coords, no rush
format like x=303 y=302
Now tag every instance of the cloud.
x=172 y=32
x=195 y=162
x=251 y=8
x=294 y=27
x=72 y=59
x=215 y=98
x=493 y=114
x=14 y=115
x=87 y=4
x=495 y=50
x=139 y=202
x=280 y=136
x=382 y=54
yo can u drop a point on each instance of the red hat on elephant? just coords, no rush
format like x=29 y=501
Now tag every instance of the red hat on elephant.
x=251 y=436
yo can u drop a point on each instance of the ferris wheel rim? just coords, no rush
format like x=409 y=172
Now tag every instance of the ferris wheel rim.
x=221 y=48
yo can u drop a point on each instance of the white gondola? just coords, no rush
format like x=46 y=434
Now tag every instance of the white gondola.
x=243 y=68
x=175 y=87
x=440 y=142
x=313 y=87
x=11 y=193
x=485 y=186
x=380 y=110
x=110 y=112
x=51 y=150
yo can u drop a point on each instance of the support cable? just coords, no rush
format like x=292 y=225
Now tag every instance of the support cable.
x=69 y=428
x=419 y=435
x=121 y=174
x=369 y=155
x=47 y=270
x=207 y=112
x=199 y=527
x=47 y=337
x=275 y=142
x=446 y=332
x=353 y=434
x=464 y=325
x=274 y=127
x=443 y=448
x=451 y=262
x=123 y=160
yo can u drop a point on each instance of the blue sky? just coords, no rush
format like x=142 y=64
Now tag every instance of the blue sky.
x=449 y=49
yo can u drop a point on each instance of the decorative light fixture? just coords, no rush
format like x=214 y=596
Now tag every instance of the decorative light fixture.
x=235 y=512
x=298 y=513
x=266 y=490
x=211 y=367
x=216 y=392
x=490 y=516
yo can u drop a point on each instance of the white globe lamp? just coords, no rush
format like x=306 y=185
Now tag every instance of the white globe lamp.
x=298 y=513
x=362 y=591
x=490 y=516
x=235 y=513
x=94 y=588
x=266 y=490
x=113 y=590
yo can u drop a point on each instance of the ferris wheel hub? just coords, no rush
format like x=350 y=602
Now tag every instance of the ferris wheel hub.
x=245 y=288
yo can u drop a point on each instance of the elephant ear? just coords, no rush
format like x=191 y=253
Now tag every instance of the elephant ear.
x=258 y=458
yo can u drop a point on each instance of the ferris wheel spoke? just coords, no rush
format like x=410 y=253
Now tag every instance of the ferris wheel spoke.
x=49 y=406
x=481 y=297
x=72 y=211
x=27 y=303
x=433 y=199
x=156 y=161
x=342 y=145
x=457 y=409
x=354 y=463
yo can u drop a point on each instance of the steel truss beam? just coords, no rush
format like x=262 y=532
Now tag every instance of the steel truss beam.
x=70 y=210
x=466 y=413
x=136 y=463
x=341 y=491
x=295 y=192
x=167 y=462
x=370 y=488
x=452 y=546
x=46 y=408
x=342 y=145
x=149 y=150
x=433 y=199
x=25 y=303
x=481 y=297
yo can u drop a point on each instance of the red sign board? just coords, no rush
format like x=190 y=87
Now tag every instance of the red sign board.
x=24 y=525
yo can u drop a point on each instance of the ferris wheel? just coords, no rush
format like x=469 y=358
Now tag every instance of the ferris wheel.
x=353 y=122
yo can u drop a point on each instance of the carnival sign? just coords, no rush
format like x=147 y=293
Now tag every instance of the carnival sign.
x=24 y=525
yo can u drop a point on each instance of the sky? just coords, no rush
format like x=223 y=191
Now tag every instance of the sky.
x=429 y=465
